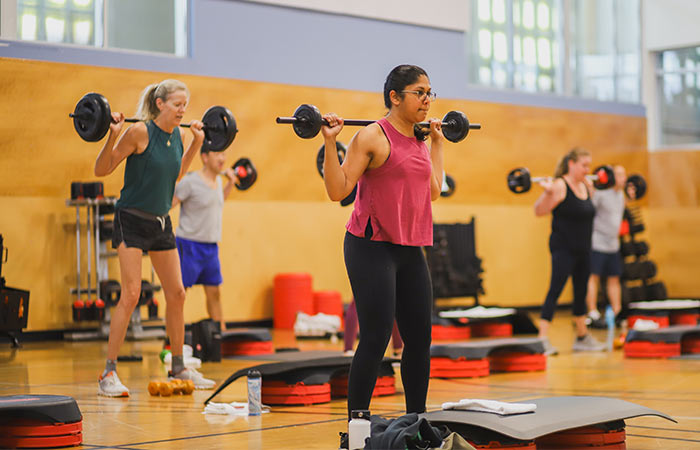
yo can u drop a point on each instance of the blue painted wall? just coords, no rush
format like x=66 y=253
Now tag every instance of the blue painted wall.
x=251 y=41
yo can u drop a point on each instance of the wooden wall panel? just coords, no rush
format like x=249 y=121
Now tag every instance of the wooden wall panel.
x=285 y=223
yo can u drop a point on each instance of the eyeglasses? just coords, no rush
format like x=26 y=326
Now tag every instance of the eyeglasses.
x=422 y=95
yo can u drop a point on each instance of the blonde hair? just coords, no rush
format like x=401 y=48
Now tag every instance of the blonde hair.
x=573 y=155
x=147 y=108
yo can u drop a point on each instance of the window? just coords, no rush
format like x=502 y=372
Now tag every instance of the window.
x=605 y=48
x=153 y=25
x=588 y=48
x=678 y=75
x=67 y=21
x=516 y=44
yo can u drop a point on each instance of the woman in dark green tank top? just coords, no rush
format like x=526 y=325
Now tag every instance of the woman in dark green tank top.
x=155 y=159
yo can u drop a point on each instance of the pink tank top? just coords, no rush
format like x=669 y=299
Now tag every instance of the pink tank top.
x=395 y=197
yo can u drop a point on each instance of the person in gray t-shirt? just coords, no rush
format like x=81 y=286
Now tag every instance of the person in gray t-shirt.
x=606 y=260
x=201 y=196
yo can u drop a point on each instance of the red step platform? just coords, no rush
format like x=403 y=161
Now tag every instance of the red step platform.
x=458 y=368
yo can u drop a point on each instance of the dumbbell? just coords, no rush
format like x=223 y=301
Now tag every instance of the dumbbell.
x=307 y=122
x=92 y=117
x=520 y=181
x=245 y=172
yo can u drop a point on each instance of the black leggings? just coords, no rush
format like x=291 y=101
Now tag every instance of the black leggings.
x=566 y=262
x=388 y=281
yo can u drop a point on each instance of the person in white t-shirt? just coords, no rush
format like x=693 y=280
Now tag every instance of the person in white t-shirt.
x=201 y=196
x=606 y=260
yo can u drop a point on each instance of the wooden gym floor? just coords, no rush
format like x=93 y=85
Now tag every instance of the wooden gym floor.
x=145 y=422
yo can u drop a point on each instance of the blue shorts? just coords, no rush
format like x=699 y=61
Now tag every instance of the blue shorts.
x=199 y=262
x=606 y=264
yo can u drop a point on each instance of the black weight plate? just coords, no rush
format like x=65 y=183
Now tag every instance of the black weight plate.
x=309 y=121
x=350 y=198
x=606 y=177
x=420 y=133
x=639 y=184
x=252 y=174
x=458 y=127
x=519 y=180
x=92 y=117
x=641 y=248
x=448 y=190
x=219 y=128
x=321 y=156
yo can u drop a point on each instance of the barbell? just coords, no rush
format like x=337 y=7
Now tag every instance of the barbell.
x=307 y=122
x=92 y=117
x=520 y=181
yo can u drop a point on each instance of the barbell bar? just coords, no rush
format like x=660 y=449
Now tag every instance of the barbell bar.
x=307 y=122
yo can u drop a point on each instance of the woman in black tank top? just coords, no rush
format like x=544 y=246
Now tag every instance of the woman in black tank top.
x=568 y=197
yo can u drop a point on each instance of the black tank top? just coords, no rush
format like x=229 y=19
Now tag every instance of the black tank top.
x=572 y=223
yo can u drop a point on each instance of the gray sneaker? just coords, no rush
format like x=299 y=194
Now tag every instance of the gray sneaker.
x=588 y=344
x=549 y=349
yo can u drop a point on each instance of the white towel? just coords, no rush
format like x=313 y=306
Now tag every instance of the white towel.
x=477 y=312
x=231 y=409
x=490 y=406
x=319 y=325
x=645 y=325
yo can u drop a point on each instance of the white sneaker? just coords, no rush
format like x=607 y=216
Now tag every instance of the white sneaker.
x=588 y=344
x=191 y=374
x=189 y=361
x=111 y=386
x=549 y=349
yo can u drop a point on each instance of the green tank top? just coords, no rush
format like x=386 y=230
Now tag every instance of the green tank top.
x=150 y=177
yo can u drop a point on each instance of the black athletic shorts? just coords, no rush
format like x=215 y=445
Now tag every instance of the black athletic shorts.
x=141 y=232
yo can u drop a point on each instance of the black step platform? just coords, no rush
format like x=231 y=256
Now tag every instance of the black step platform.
x=552 y=415
x=663 y=342
x=39 y=421
x=246 y=341
x=481 y=357
x=307 y=371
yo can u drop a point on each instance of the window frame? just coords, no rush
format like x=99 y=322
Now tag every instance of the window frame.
x=9 y=30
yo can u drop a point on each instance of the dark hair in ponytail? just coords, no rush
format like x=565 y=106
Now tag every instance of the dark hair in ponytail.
x=400 y=77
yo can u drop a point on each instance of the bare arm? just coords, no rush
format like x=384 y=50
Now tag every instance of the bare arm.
x=340 y=180
x=134 y=139
x=194 y=147
x=554 y=193
x=436 y=157
x=232 y=180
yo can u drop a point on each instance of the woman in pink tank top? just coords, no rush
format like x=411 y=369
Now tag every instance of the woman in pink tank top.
x=397 y=176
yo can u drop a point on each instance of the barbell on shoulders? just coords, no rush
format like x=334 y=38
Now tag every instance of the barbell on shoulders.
x=307 y=122
x=520 y=181
x=92 y=117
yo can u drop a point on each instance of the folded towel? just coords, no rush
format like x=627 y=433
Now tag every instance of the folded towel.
x=477 y=312
x=490 y=406
x=645 y=325
x=318 y=325
x=231 y=409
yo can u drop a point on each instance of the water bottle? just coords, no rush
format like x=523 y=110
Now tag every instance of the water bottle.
x=358 y=429
x=254 y=393
x=610 y=322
